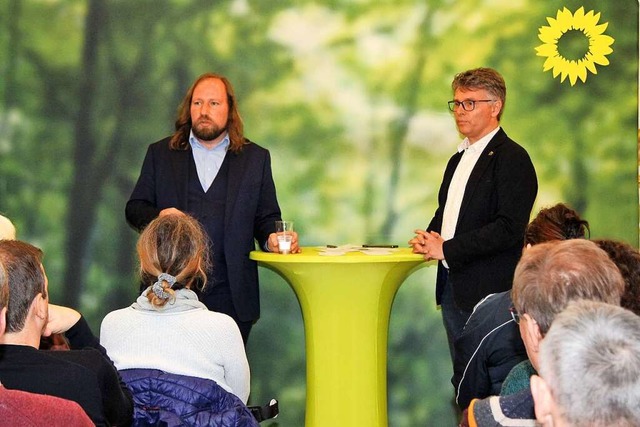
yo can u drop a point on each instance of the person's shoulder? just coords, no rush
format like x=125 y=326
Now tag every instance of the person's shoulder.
x=493 y=309
x=252 y=147
x=16 y=355
x=72 y=357
x=514 y=410
x=215 y=324
x=162 y=144
x=31 y=409
x=518 y=378
x=215 y=317
x=116 y=316
x=501 y=141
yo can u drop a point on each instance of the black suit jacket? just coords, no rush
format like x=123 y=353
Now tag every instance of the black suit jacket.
x=250 y=212
x=495 y=211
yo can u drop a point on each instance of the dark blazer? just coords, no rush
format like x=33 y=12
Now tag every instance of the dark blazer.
x=250 y=213
x=495 y=211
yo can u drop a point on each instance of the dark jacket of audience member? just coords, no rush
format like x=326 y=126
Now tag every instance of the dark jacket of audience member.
x=490 y=344
x=84 y=375
x=163 y=398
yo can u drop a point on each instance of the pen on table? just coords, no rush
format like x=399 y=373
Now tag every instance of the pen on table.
x=331 y=246
x=379 y=246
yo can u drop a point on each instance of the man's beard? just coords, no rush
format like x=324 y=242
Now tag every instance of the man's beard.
x=209 y=132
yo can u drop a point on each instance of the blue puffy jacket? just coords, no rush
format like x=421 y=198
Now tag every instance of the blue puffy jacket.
x=164 y=399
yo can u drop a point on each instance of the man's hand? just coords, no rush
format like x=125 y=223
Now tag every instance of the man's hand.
x=170 y=211
x=272 y=243
x=429 y=244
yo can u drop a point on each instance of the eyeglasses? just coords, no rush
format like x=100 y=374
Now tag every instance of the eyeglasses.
x=467 y=104
x=514 y=314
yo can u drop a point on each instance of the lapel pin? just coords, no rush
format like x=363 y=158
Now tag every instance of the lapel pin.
x=491 y=153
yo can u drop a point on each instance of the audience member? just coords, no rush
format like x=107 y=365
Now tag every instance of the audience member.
x=589 y=368
x=19 y=408
x=548 y=277
x=167 y=328
x=84 y=375
x=627 y=259
x=490 y=344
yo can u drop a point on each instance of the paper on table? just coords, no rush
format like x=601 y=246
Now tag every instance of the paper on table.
x=343 y=249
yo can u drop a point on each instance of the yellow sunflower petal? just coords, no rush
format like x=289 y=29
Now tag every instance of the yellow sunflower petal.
x=565 y=18
x=601 y=42
x=578 y=18
x=573 y=72
x=596 y=30
x=591 y=19
x=581 y=70
x=560 y=66
x=600 y=60
x=549 y=34
x=549 y=64
x=547 y=50
x=588 y=63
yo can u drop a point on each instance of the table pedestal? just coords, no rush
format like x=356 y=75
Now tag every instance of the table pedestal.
x=346 y=303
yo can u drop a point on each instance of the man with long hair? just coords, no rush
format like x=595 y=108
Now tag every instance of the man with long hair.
x=209 y=170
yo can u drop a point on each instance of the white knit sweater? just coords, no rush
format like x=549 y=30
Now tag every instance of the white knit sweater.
x=182 y=338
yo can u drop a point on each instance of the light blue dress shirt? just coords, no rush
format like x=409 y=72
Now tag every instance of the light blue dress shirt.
x=208 y=160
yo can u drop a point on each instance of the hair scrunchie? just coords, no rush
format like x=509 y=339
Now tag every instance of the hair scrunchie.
x=158 y=289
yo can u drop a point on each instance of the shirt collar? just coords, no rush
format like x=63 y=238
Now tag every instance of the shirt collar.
x=223 y=145
x=480 y=144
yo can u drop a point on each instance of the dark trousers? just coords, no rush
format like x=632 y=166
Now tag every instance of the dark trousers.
x=453 y=317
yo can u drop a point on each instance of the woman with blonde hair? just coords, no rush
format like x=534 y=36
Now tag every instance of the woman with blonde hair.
x=167 y=329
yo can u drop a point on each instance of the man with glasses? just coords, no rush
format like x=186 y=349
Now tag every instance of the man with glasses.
x=484 y=203
x=547 y=279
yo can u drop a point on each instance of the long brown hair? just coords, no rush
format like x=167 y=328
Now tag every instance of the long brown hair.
x=235 y=127
x=176 y=245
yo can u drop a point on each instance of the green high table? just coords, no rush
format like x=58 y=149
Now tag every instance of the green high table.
x=346 y=303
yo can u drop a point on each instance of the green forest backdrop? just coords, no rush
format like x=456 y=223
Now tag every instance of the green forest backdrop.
x=349 y=96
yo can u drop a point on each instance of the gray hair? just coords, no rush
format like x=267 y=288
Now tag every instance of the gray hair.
x=590 y=358
x=550 y=275
x=482 y=78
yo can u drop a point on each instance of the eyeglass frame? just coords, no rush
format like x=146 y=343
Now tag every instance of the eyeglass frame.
x=453 y=103
x=515 y=315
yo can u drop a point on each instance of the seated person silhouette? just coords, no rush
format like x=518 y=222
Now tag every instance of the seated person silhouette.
x=84 y=375
x=589 y=368
x=548 y=278
x=490 y=344
x=168 y=346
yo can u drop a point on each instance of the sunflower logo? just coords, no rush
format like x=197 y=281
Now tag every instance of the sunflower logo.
x=573 y=44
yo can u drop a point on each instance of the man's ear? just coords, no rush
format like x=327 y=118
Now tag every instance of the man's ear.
x=496 y=107
x=40 y=307
x=532 y=329
x=543 y=400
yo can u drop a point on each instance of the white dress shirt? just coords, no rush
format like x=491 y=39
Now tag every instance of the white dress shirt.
x=459 y=184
